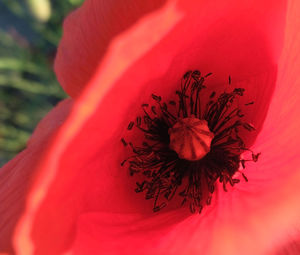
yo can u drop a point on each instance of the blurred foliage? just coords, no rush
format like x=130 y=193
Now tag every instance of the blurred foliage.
x=29 y=34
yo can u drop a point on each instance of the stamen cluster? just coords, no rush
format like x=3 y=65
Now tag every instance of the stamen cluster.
x=165 y=174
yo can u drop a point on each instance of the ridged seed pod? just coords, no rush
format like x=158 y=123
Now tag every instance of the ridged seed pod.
x=190 y=138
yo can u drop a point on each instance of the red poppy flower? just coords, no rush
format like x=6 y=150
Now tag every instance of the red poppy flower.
x=67 y=194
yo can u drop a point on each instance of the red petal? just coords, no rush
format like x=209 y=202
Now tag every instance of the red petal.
x=88 y=32
x=15 y=176
x=81 y=172
x=208 y=38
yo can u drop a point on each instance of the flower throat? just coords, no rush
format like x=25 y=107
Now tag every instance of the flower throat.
x=186 y=149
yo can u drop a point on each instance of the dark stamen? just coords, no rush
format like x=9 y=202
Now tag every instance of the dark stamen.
x=164 y=171
x=130 y=125
x=124 y=142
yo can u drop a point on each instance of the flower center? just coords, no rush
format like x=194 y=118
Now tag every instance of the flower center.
x=190 y=138
x=190 y=147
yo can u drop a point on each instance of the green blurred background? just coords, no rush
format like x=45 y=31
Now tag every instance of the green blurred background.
x=29 y=34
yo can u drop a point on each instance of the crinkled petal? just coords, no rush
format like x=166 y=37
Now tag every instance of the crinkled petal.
x=88 y=32
x=15 y=176
x=81 y=186
x=224 y=37
x=264 y=212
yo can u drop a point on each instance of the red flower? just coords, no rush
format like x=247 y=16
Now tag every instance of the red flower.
x=67 y=192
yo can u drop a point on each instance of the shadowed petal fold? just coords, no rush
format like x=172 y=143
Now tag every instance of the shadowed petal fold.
x=80 y=185
x=16 y=176
x=88 y=32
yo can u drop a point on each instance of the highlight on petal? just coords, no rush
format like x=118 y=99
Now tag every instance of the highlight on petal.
x=80 y=185
x=16 y=176
x=86 y=168
x=209 y=39
x=88 y=33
